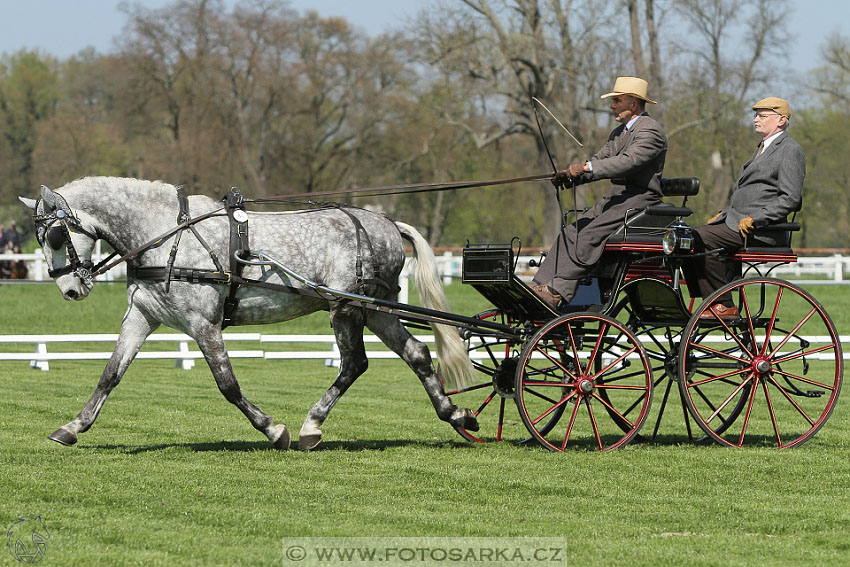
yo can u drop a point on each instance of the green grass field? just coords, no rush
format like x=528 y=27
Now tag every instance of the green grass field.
x=172 y=474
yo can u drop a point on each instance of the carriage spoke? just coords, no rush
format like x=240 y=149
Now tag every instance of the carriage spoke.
x=749 y=320
x=612 y=408
x=593 y=425
x=772 y=322
x=804 y=379
x=570 y=426
x=771 y=412
x=729 y=398
x=792 y=333
x=802 y=353
x=790 y=399
x=752 y=398
x=615 y=361
x=721 y=377
x=486 y=402
x=715 y=351
x=555 y=406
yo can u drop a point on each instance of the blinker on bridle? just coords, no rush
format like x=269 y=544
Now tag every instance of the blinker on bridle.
x=54 y=229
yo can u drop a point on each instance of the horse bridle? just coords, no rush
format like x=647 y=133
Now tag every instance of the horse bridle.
x=54 y=229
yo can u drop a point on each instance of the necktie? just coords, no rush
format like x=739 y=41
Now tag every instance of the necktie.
x=760 y=149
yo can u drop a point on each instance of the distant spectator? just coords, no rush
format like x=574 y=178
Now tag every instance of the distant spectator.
x=5 y=265
x=19 y=269
x=11 y=236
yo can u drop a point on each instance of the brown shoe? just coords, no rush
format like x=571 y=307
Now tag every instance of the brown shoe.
x=549 y=296
x=720 y=311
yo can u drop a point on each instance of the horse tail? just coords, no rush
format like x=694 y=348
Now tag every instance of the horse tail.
x=457 y=369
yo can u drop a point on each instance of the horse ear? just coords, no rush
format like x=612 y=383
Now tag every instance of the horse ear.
x=53 y=200
x=31 y=203
x=49 y=198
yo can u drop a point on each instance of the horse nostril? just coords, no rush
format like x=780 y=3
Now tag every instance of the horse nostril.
x=71 y=294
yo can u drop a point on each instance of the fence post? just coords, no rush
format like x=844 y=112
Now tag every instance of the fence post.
x=43 y=365
x=184 y=363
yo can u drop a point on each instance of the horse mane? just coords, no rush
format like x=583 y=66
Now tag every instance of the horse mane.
x=121 y=184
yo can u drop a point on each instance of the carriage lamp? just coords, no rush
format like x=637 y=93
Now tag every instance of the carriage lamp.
x=677 y=239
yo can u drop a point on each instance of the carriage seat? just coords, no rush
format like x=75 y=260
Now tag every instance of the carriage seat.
x=647 y=226
x=781 y=252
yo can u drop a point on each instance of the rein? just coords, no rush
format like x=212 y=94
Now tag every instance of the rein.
x=402 y=189
x=88 y=270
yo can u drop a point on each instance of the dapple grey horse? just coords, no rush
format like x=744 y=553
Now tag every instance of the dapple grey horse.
x=319 y=244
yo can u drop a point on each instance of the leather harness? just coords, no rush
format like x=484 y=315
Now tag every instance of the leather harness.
x=234 y=205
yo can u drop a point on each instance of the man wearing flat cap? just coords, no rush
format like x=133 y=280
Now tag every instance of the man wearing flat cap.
x=633 y=159
x=769 y=188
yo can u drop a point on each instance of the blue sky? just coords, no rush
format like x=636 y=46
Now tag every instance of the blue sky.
x=64 y=27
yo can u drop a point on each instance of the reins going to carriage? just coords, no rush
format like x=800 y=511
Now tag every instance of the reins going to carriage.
x=240 y=254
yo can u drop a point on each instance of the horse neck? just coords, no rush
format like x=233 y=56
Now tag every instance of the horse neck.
x=126 y=212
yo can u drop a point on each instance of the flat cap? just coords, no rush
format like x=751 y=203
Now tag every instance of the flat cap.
x=776 y=104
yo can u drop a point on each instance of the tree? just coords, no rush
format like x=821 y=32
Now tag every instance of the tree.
x=28 y=96
x=716 y=84
x=504 y=52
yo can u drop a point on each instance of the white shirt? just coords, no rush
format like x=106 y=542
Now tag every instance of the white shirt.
x=769 y=140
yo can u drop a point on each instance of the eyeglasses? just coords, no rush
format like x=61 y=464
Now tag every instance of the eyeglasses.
x=763 y=115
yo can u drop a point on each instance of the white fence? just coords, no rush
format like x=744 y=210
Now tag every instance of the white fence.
x=184 y=357
x=823 y=269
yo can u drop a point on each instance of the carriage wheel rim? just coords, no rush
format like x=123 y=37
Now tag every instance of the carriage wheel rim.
x=769 y=381
x=556 y=372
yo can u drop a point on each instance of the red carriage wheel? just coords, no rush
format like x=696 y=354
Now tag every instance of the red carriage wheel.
x=565 y=367
x=772 y=376
x=491 y=395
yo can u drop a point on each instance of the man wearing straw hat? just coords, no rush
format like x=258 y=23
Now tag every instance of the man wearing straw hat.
x=633 y=159
x=769 y=188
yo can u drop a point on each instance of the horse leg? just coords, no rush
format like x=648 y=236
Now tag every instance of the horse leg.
x=134 y=330
x=393 y=334
x=348 y=329
x=212 y=345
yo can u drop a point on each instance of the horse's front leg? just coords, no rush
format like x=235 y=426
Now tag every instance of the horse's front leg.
x=393 y=334
x=212 y=345
x=135 y=328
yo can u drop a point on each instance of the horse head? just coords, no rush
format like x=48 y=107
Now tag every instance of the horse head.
x=66 y=244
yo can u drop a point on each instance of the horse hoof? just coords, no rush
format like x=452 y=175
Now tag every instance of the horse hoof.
x=283 y=439
x=63 y=436
x=467 y=420
x=309 y=441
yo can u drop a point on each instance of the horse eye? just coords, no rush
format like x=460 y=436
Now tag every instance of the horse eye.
x=55 y=237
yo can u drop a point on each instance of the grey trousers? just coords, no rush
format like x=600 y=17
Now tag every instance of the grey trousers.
x=580 y=245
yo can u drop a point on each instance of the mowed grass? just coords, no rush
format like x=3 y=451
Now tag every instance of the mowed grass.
x=172 y=474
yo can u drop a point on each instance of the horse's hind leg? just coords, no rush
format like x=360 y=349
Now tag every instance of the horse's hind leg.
x=393 y=334
x=212 y=345
x=134 y=330
x=348 y=328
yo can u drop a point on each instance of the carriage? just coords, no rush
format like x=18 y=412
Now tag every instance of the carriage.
x=584 y=376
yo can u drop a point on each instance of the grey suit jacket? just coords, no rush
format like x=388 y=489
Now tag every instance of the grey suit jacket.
x=770 y=187
x=633 y=158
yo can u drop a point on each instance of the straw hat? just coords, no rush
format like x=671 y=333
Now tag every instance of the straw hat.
x=630 y=86
x=776 y=104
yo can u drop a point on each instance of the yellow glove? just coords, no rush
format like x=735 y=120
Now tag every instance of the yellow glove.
x=714 y=218
x=746 y=226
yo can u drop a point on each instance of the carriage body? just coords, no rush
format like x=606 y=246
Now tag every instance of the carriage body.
x=585 y=375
